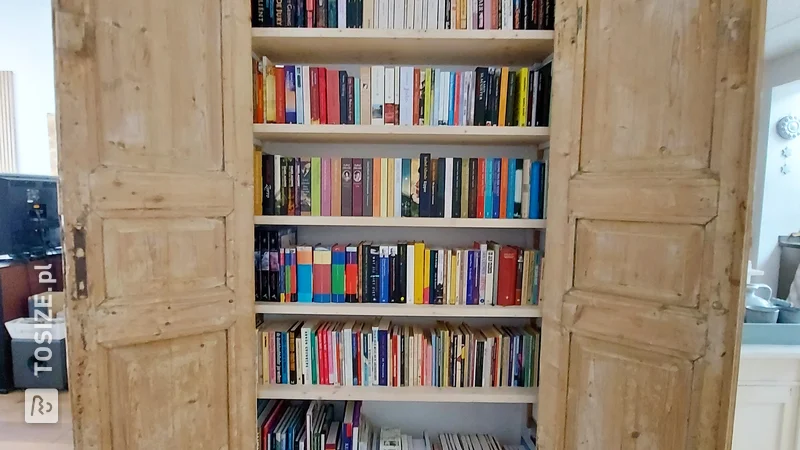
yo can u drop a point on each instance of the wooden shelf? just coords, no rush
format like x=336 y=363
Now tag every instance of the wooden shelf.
x=381 y=46
x=388 y=134
x=403 y=222
x=395 y=310
x=401 y=394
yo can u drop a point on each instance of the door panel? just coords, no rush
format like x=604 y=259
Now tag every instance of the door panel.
x=156 y=187
x=650 y=166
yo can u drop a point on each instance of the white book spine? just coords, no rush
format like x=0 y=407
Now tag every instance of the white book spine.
x=440 y=15
x=482 y=283
x=299 y=85
x=418 y=15
x=399 y=14
x=374 y=351
x=437 y=77
x=464 y=98
x=305 y=349
x=464 y=275
x=447 y=283
x=376 y=86
x=471 y=111
x=348 y=367
x=410 y=4
x=457 y=280
x=490 y=277
x=433 y=11
x=306 y=95
x=383 y=19
x=444 y=89
x=410 y=274
x=406 y=95
x=508 y=14
x=518 y=185
x=526 y=188
x=535 y=96
x=448 y=187
x=277 y=179
x=397 y=94
x=388 y=87
x=391 y=11
x=398 y=187
x=341 y=9
x=376 y=13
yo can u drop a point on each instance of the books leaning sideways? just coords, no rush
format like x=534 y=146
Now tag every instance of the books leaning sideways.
x=412 y=273
x=381 y=353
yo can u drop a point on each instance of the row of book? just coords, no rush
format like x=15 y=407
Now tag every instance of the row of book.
x=405 y=14
x=286 y=425
x=482 y=188
x=406 y=272
x=401 y=95
x=380 y=353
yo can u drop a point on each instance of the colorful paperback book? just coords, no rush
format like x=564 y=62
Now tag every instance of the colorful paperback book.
x=299 y=94
x=305 y=287
x=316 y=202
x=534 y=209
x=338 y=273
x=397 y=193
x=325 y=187
x=414 y=189
x=405 y=207
x=488 y=199
x=291 y=98
x=496 y=179
x=351 y=274
x=322 y=274
x=384 y=274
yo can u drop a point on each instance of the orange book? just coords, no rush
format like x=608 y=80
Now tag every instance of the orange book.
x=258 y=92
x=280 y=93
x=336 y=187
x=503 y=187
x=376 y=187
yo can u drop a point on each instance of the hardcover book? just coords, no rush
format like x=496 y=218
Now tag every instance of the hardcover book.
x=405 y=207
x=316 y=193
x=358 y=189
x=366 y=205
x=305 y=186
x=414 y=205
x=325 y=187
x=347 y=187
x=366 y=97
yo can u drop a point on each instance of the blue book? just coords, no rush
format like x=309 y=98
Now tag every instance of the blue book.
x=332 y=16
x=305 y=277
x=384 y=274
x=285 y=356
x=337 y=271
x=496 y=166
x=536 y=173
x=452 y=101
x=434 y=92
x=512 y=174
x=357 y=101
x=354 y=343
x=470 y=276
x=383 y=338
x=487 y=190
x=291 y=97
x=476 y=278
x=299 y=95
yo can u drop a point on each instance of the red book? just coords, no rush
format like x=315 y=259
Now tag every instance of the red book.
x=395 y=351
x=322 y=357
x=314 y=74
x=310 y=14
x=507 y=276
x=258 y=93
x=280 y=94
x=503 y=187
x=479 y=197
x=333 y=97
x=323 y=98
x=351 y=276
x=415 y=107
x=272 y=420
x=520 y=271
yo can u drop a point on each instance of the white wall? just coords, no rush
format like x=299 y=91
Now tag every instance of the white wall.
x=771 y=217
x=26 y=48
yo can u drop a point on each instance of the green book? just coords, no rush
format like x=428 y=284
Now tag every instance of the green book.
x=316 y=194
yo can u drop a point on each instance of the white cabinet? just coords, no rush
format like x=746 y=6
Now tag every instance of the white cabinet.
x=766 y=418
x=768 y=399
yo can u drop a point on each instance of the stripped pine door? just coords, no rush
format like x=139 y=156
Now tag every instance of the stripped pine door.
x=154 y=116
x=649 y=203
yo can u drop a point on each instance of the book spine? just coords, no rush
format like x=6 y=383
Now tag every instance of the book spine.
x=347 y=187
x=351 y=275
x=316 y=198
x=526 y=188
x=375 y=274
x=336 y=187
x=314 y=73
x=323 y=96
x=366 y=204
x=401 y=277
x=384 y=274
x=410 y=292
x=290 y=201
x=280 y=94
x=268 y=176
x=520 y=271
x=378 y=82
x=353 y=107
x=341 y=104
x=388 y=103
x=440 y=186
x=397 y=193
x=470 y=279
x=425 y=185
x=300 y=88
x=503 y=189
x=448 y=188
x=406 y=201
x=473 y=188
x=358 y=190
x=305 y=187
x=518 y=180
x=481 y=75
x=511 y=171
x=480 y=197
x=488 y=199
x=406 y=95
x=421 y=97
x=456 y=188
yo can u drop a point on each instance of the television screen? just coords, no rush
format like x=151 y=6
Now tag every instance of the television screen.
x=29 y=220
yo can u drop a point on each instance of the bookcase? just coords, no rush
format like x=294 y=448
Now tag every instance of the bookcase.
x=502 y=411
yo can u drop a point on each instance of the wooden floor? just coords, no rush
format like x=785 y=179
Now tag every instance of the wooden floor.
x=18 y=435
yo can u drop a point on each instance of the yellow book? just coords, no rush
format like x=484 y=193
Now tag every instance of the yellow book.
x=428 y=98
x=270 y=102
x=419 y=271
x=390 y=187
x=384 y=186
x=264 y=352
x=465 y=188
x=452 y=281
x=446 y=362
x=501 y=112
x=426 y=278
x=257 y=182
x=522 y=103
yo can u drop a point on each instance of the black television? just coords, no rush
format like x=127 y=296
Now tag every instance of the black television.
x=29 y=220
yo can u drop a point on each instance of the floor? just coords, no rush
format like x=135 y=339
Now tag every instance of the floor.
x=15 y=434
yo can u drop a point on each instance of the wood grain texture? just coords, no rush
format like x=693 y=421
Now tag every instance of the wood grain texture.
x=156 y=193
x=652 y=139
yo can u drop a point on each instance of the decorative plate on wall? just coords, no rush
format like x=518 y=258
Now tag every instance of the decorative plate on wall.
x=788 y=127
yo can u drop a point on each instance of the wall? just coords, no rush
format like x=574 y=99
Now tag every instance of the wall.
x=27 y=50
x=773 y=191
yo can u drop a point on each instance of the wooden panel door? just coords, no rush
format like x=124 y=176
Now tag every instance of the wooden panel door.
x=155 y=131
x=653 y=104
x=766 y=417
